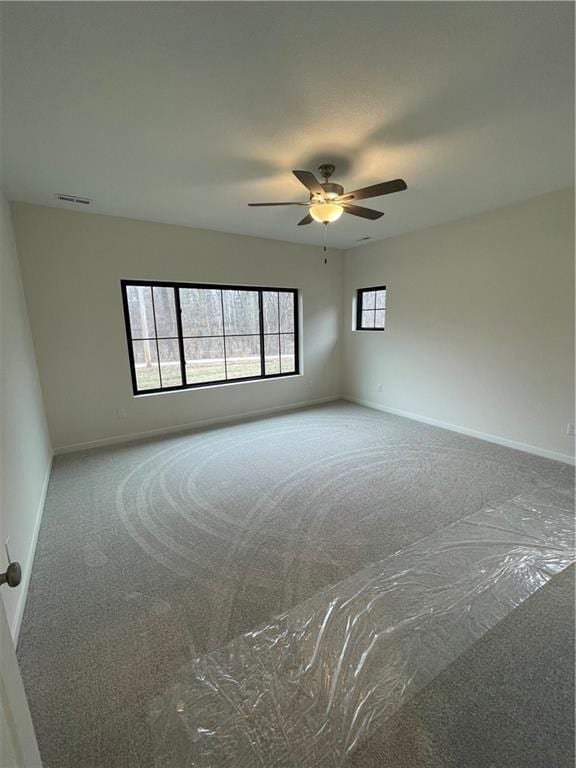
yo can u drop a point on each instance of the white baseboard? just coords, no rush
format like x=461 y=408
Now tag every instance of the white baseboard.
x=16 y=622
x=130 y=438
x=533 y=449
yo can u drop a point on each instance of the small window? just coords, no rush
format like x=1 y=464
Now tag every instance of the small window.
x=183 y=335
x=371 y=309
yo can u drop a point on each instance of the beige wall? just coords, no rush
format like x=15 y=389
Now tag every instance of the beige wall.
x=479 y=332
x=25 y=451
x=480 y=324
x=72 y=265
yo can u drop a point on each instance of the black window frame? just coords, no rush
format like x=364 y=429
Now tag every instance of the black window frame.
x=359 y=294
x=126 y=283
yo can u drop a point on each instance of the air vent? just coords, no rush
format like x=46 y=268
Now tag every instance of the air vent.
x=73 y=199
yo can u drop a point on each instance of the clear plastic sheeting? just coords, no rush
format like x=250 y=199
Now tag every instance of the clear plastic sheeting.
x=303 y=691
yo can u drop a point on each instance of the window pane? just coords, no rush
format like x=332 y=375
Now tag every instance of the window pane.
x=270 y=307
x=146 y=365
x=204 y=360
x=287 y=312
x=223 y=332
x=380 y=299
x=140 y=308
x=287 y=358
x=272 y=354
x=170 y=362
x=165 y=312
x=201 y=311
x=368 y=299
x=243 y=356
x=241 y=312
x=368 y=319
x=379 y=322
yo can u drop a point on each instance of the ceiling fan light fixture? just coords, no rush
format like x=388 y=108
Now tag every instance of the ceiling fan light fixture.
x=327 y=201
x=326 y=213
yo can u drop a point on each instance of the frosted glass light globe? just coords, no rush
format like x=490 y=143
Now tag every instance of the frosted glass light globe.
x=326 y=213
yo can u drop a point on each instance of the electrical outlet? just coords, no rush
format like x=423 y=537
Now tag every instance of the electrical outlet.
x=570 y=430
x=121 y=413
x=379 y=387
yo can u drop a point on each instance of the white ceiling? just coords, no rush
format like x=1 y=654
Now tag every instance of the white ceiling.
x=185 y=112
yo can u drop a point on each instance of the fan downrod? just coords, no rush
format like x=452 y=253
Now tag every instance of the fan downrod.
x=332 y=190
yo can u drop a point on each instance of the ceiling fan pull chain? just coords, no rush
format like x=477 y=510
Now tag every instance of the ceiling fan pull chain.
x=325 y=240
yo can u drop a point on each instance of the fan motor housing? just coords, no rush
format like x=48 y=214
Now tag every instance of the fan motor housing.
x=332 y=189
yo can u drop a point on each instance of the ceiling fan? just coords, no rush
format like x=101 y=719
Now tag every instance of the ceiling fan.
x=328 y=201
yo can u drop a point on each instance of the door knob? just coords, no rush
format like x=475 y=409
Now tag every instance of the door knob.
x=13 y=575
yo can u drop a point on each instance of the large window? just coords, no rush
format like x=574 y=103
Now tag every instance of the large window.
x=371 y=309
x=184 y=335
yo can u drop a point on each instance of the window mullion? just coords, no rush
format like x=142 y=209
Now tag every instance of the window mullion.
x=156 y=336
x=279 y=331
x=261 y=321
x=180 y=336
x=224 y=335
x=296 y=333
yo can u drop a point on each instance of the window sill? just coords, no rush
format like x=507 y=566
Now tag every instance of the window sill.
x=203 y=387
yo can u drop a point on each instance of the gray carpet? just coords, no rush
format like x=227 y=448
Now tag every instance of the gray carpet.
x=157 y=551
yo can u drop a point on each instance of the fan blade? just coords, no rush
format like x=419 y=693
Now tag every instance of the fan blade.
x=365 y=213
x=258 y=205
x=310 y=182
x=385 y=188
x=306 y=220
